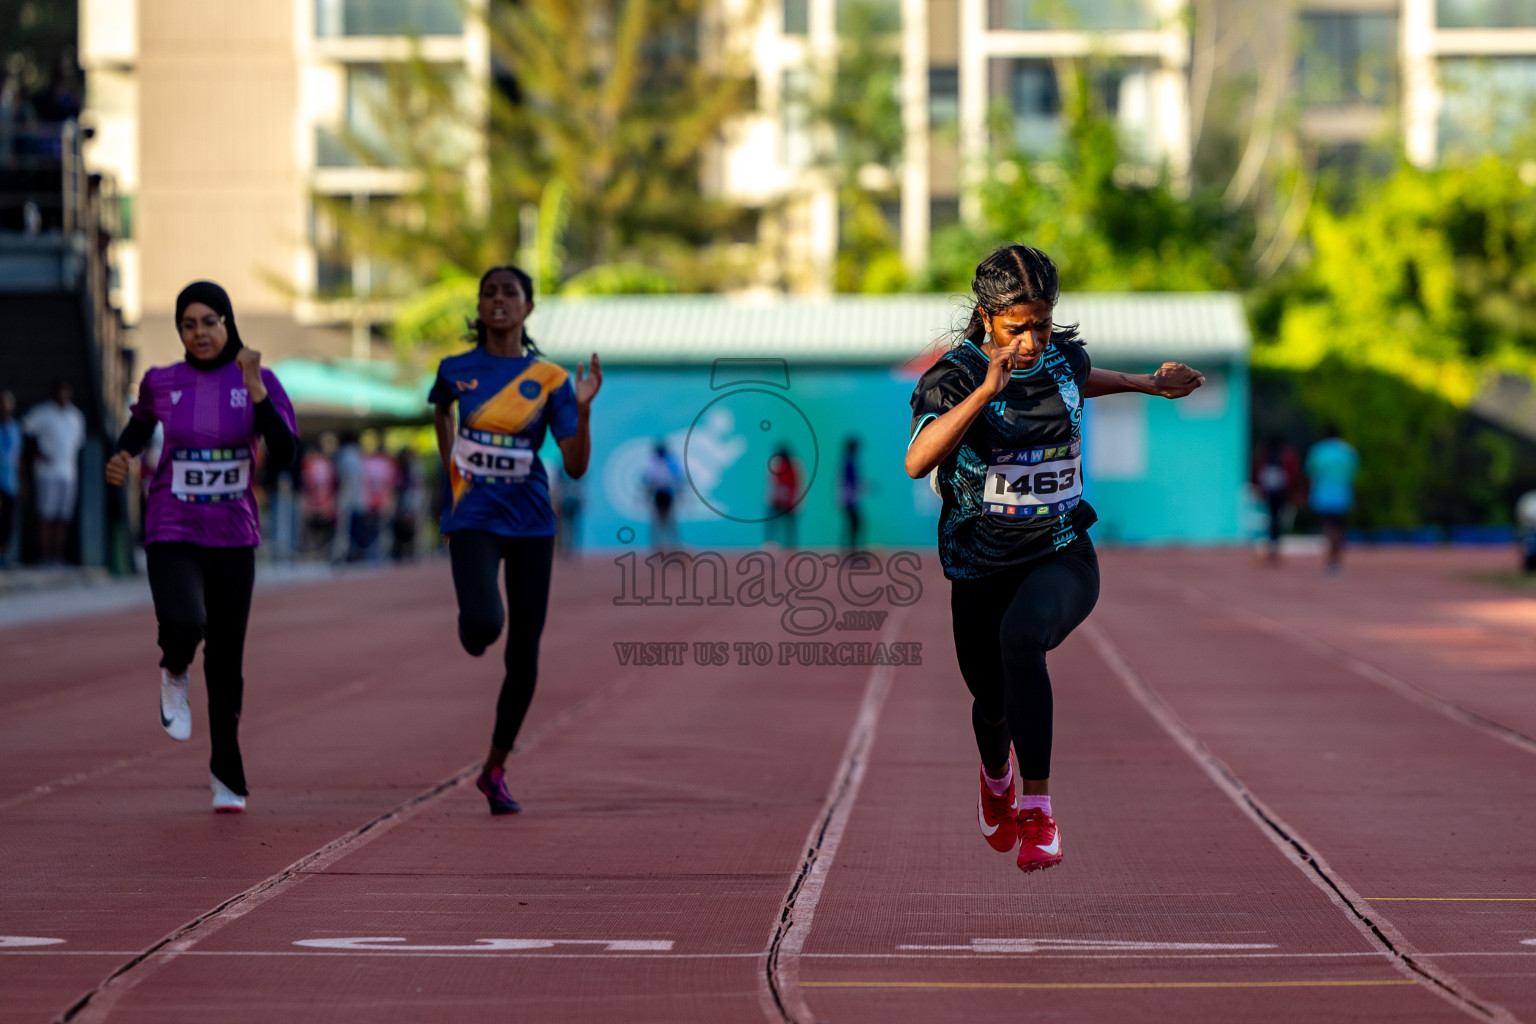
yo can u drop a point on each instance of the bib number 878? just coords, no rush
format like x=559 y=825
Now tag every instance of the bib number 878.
x=210 y=477
x=1046 y=481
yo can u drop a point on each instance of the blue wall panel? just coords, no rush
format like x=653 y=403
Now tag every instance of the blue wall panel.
x=1183 y=484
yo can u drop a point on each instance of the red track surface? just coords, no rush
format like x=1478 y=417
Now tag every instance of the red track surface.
x=1282 y=797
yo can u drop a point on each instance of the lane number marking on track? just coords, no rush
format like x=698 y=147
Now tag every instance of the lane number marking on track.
x=18 y=941
x=1087 y=945
x=395 y=944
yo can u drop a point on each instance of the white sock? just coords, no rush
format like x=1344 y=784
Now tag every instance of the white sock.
x=999 y=787
x=1042 y=802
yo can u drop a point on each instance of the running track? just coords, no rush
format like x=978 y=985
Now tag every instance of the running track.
x=1283 y=798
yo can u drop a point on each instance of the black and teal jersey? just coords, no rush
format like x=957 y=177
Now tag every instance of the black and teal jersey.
x=1013 y=487
x=506 y=404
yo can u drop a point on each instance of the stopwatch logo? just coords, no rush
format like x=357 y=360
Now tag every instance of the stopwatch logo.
x=779 y=442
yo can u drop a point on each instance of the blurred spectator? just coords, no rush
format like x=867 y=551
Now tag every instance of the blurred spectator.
x=1331 y=467
x=58 y=102
x=318 y=478
x=349 y=496
x=10 y=472
x=10 y=117
x=783 y=497
x=58 y=429
x=410 y=494
x=570 y=492
x=282 y=487
x=848 y=494
x=1525 y=523
x=661 y=479
x=378 y=497
x=1277 y=476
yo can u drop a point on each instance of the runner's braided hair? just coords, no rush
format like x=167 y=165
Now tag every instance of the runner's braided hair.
x=1012 y=274
x=477 y=332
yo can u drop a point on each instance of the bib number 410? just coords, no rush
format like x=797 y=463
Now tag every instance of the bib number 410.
x=1046 y=481
x=493 y=463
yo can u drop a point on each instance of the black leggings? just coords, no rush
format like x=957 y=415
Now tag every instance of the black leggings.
x=203 y=593
x=1004 y=625
x=476 y=555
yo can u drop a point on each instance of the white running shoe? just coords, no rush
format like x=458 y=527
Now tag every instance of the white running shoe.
x=175 y=708
x=226 y=800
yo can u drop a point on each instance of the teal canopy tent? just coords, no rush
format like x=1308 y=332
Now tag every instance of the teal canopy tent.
x=352 y=394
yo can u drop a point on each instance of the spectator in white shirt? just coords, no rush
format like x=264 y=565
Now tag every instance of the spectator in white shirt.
x=58 y=429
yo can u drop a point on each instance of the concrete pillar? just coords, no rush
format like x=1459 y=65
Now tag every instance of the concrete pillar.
x=973 y=107
x=915 y=188
x=1421 y=87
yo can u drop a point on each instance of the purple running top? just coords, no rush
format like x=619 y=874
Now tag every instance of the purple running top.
x=202 y=489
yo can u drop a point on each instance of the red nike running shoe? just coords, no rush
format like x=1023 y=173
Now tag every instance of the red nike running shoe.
x=996 y=817
x=1039 y=840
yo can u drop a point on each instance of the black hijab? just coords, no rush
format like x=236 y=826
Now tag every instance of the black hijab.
x=216 y=299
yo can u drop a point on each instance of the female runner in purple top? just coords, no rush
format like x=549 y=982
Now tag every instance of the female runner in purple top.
x=201 y=529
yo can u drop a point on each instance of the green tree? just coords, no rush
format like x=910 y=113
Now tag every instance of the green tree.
x=1110 y=221
x=37 y=42
x=861 y=109
x=599 y=115
x=1406 y=306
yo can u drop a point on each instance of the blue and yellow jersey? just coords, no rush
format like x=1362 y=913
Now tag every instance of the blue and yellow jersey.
x=505 y=406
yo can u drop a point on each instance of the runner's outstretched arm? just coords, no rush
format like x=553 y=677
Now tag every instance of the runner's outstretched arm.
x=576 y=450
x=1172 y=380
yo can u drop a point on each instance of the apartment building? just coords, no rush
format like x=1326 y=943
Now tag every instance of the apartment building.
x=1442 y=76
x=961 y=61
x=223 y=120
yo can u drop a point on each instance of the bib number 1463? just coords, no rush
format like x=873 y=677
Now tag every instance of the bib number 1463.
x=1042 y=482
x=1034 y=481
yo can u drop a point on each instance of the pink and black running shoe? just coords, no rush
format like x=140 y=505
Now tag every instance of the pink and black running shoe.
x=494 y=785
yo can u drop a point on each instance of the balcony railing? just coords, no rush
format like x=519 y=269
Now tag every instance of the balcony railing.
x=1485 y=13
x=1082 y=15
x=337 y=18
x=334 y=149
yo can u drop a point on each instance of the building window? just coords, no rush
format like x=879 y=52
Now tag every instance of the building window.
x=797 y=17
x=1487 y=102
x=1347 y=58
x=1086 y=15
x=942 y=213
x=388 y=18
x=1121 y=91
x=795 y=117
x=1486 y=13
x=1035 y=102
x=361 y=139
x=943 y=96
x=343 y=269
x=125 y=209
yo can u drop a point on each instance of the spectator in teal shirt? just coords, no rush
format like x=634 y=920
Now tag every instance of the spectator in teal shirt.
x=1331 y=467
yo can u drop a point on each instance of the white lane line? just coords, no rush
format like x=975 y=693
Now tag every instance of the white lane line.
x=20 y=941
x=1411 y=692
x=1378 y=931
x=1084 y=945
x=391 y=944
x=97 y=1004
x=968 y=957
x=295 y=710
x=779 y=984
